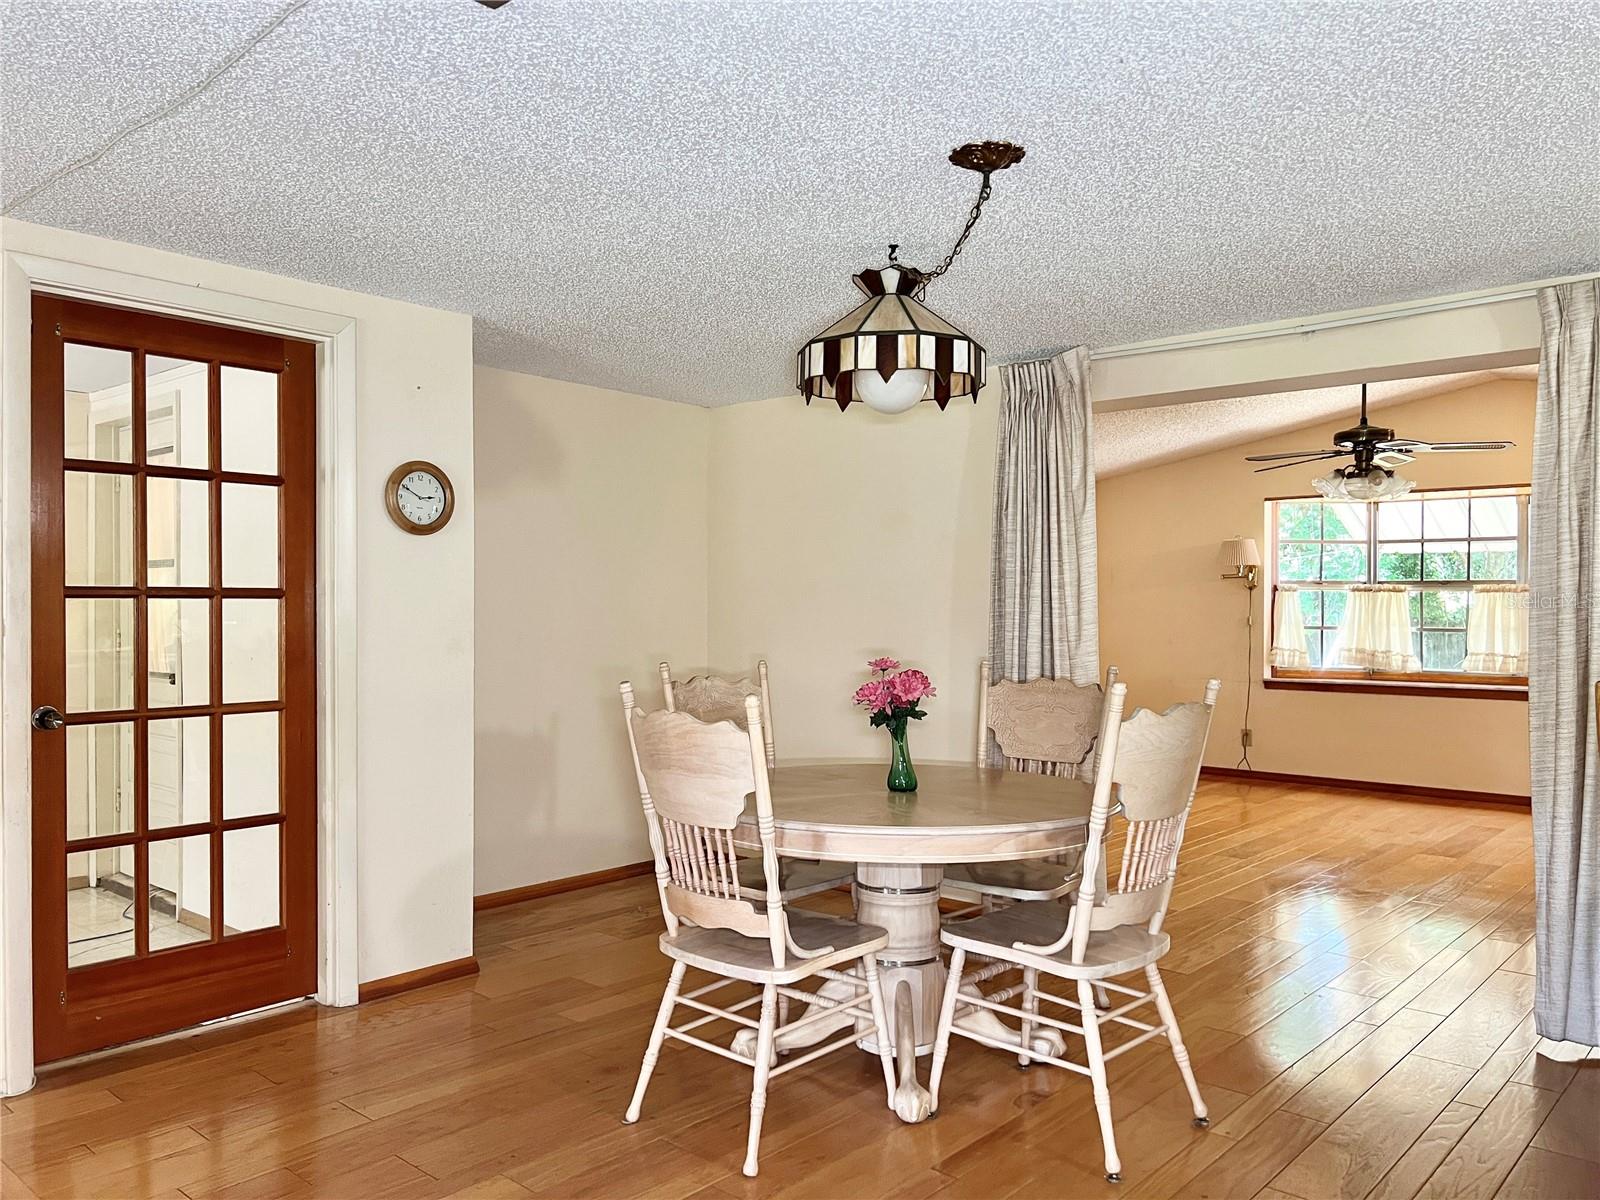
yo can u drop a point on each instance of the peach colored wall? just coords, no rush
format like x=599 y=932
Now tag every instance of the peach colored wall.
x=1168 y=621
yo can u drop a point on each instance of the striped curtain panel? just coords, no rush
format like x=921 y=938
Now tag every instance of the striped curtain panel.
x=1043 y=611
x=1563 y=665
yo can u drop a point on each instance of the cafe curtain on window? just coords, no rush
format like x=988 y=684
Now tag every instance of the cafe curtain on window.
x=1376 y=634
x=1289 y=648
x=1563 y=663
x=1044 y=619
x=1497 y=630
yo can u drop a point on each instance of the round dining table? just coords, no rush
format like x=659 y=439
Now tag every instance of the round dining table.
x=842 y=811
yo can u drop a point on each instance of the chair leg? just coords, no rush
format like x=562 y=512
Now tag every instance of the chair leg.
x=1030 y=1005
x=880 y=1024
x=1097 y=1075
x=947 y=1016
x=758 y=1093
x=783 y=1010
x=658 y=1034
x=1179 y=1051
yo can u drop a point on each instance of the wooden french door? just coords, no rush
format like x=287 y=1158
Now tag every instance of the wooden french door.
x=174 y=678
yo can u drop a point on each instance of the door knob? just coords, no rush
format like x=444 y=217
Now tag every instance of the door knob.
x=46 y=718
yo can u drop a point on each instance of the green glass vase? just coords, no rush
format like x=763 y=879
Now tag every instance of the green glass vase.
x=902 y=775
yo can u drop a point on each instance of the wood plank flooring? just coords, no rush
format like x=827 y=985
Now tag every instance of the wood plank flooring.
x=1353 y=975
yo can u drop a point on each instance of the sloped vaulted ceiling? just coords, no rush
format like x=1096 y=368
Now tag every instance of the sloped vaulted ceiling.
x=669 y=198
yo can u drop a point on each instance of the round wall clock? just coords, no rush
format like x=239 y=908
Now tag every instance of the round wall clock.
x=419 y=497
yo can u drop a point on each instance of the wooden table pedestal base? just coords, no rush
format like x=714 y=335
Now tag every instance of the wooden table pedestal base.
x=903 y=899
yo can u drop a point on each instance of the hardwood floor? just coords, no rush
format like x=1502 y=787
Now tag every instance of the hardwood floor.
x=1353 y=976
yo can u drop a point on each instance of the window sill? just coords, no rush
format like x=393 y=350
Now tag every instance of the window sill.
x=1381 y=687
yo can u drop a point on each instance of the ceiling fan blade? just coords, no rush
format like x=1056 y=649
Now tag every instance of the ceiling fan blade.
x=1454 y=447
x=1285 y=454
x=1303 y=461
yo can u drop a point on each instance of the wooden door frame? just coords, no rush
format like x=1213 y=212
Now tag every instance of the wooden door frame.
x=334 y=335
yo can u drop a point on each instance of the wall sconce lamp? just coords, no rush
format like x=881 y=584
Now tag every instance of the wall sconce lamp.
x=1241 y=560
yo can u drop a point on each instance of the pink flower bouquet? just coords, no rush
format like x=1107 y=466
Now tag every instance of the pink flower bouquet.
x=892 y=697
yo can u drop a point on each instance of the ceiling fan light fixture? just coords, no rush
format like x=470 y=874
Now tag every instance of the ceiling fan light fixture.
x=1352 y=483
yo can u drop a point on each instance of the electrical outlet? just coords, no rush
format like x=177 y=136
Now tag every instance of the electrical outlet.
x=1244 y=738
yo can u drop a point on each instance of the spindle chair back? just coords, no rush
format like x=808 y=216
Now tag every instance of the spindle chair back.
x=694 y=779
x=712 y=698
x=1043 y=726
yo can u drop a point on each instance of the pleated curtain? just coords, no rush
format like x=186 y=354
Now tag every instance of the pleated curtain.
x=1497 y=630
x=1563 y=664
x=1043 y=614
x=1376 y=632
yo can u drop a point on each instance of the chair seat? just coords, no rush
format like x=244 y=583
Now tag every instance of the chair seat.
x=728 y=953
x=1022 y=879
x=796 y=876
x=1040 y=922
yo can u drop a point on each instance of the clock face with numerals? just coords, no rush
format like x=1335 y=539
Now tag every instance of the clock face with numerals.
x=419 y=497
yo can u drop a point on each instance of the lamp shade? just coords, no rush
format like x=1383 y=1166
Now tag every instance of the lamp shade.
x=891 y=333
x=1239 y=553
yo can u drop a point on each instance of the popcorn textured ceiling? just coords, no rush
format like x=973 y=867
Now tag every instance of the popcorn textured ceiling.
x=670 y=198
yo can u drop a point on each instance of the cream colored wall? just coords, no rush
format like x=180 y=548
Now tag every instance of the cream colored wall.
x=591 y=569
x=1168 y=622
x=836 y=537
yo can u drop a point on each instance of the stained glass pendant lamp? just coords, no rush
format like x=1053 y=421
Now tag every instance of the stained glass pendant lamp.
x=893 y=351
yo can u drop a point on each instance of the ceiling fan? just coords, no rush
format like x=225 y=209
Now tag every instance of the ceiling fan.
x=1376 y=452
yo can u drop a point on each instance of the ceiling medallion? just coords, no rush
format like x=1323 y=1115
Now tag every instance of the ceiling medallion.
x=894 y=351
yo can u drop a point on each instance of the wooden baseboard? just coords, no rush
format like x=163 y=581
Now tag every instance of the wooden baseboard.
x=376 y=989
x=1414 y=791
x=555 y=887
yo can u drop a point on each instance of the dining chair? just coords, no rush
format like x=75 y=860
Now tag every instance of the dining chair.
x=712 y=698
x=1153 y=762
x=694 y=780
x=1043 y=727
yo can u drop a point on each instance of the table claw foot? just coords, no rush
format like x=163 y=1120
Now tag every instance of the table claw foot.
x=1048 y=1042
x=912 y=1101
x=980 y=1020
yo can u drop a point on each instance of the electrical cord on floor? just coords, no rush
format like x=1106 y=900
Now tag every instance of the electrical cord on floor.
x=1249 y=671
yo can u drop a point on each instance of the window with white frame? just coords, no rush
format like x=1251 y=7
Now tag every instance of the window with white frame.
x=1428 y=589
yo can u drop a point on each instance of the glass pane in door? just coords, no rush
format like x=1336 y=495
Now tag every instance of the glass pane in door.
x=249 y=536
x=98 y=529
x=180 y=771
x=98 y=387
x=99 y=654
x=180 y=892
x=99 y=780
x=176 y=405
x=249 y=879
x=250 y=650
x=180 y=662
x=249 y=764
x=249 y=421
x=99 y=906
x=178 y=533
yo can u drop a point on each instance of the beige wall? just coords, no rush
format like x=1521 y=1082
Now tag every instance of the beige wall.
x=591 y=569
x=1168 y=622
x=836 y=537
